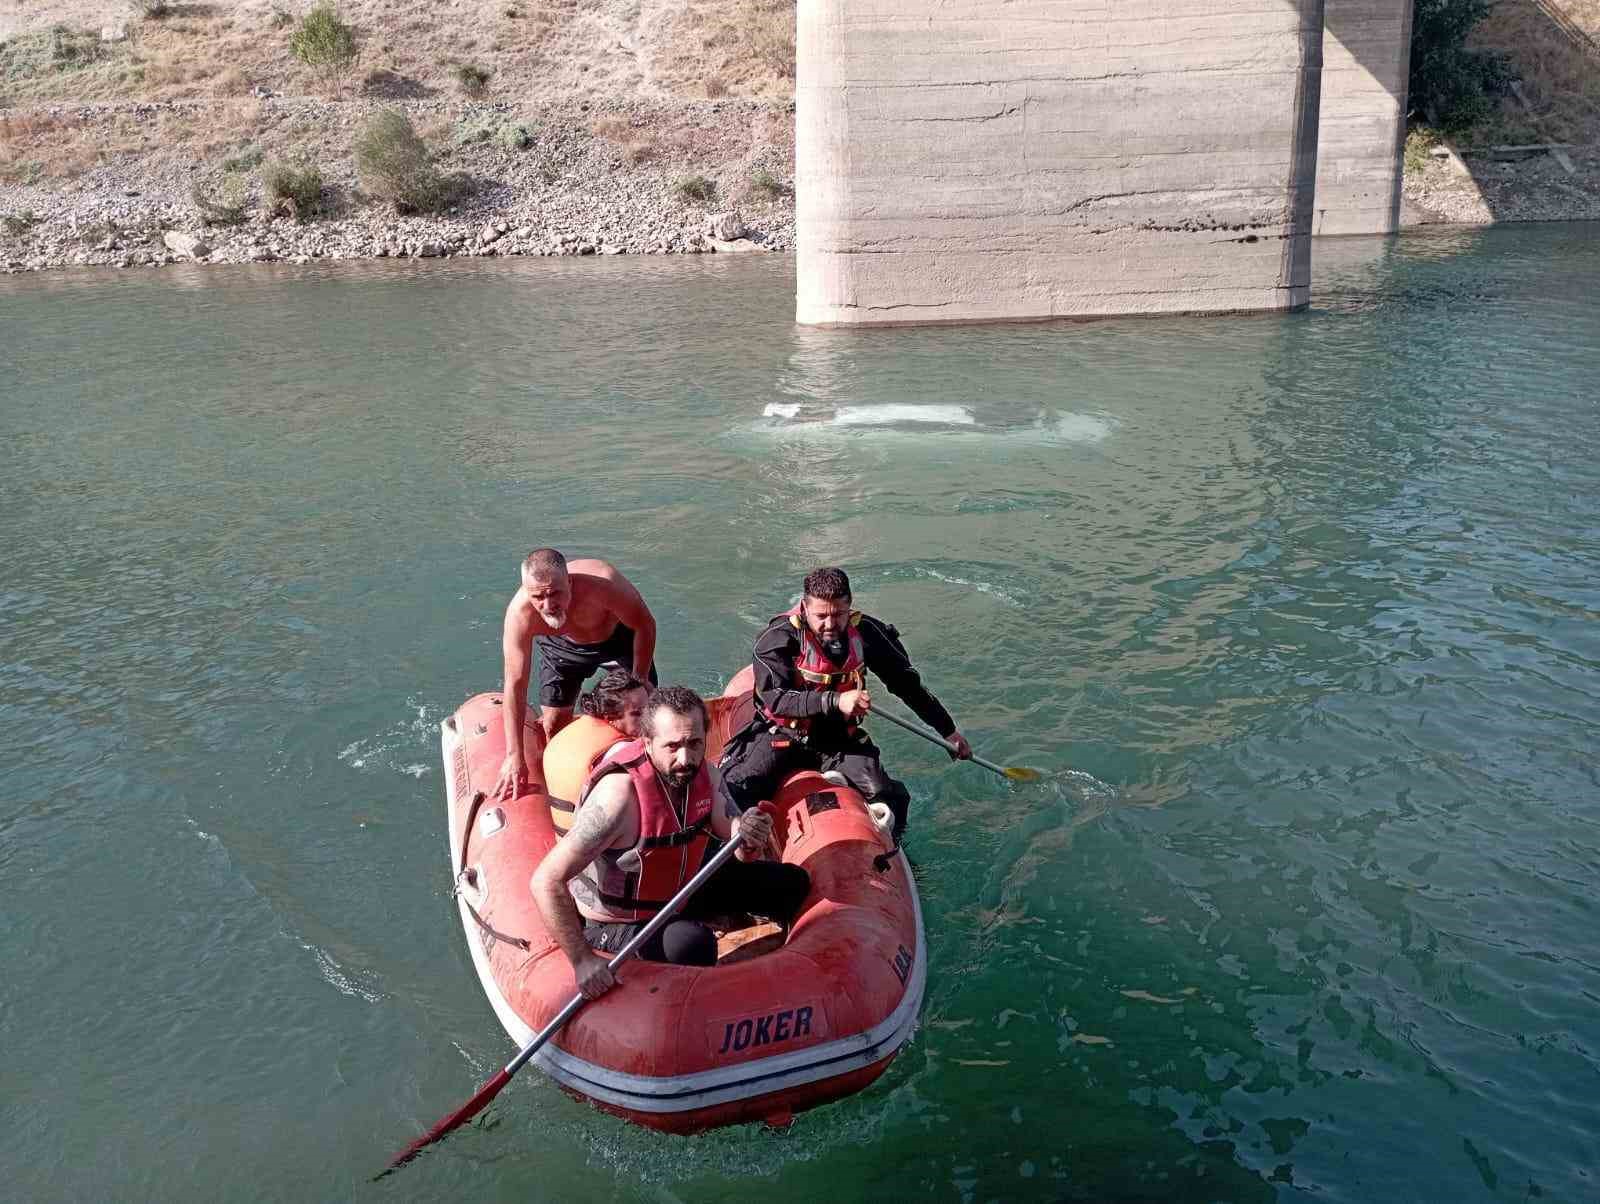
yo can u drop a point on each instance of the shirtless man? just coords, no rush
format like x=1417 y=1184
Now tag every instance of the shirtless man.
x=582 y=617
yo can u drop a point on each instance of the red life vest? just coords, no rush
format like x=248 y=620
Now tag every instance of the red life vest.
x=815 y=670
x=627 y=885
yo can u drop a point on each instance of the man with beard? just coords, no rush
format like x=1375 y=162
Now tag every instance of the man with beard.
x=811 y=695
x=581 y=617
x=644 y=819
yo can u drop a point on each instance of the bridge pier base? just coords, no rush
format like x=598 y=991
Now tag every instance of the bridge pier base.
x=975 y=160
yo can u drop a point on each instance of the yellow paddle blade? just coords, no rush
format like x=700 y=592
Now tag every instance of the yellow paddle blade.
x=1018 y=774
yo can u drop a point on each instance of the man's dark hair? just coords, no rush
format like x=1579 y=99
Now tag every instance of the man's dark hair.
x=680 y=700
x=827 y=585
x=544 y=562
x=610 y=695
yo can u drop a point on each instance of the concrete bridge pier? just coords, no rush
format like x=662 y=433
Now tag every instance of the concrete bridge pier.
x=1366 y=58
x=973 y=160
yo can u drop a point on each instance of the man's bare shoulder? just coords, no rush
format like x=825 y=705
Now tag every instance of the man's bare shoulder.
x=591 y=566
x=600 y=581
x=522 y=620
x=609 y=814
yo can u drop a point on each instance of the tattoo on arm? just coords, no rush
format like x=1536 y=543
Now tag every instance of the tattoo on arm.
x=592 y=829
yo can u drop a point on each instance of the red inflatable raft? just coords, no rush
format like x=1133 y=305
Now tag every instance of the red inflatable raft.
x=776 y=1026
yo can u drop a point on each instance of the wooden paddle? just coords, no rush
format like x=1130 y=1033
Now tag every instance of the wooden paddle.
x=1014 y=773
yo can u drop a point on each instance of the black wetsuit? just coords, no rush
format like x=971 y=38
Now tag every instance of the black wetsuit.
x=564 y=665
x=762 y=754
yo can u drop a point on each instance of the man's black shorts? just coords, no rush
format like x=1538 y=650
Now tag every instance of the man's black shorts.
x=564 y=666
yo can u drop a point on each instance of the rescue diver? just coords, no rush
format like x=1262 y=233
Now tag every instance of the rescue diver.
x=644 y=819
x=581 y=617
x=811 y=696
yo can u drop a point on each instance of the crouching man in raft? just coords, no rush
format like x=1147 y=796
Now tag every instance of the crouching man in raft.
x=581 y=617
x=644 y=819
x=811 y=665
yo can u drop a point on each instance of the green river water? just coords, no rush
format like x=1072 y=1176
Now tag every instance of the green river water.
x=1308 y=605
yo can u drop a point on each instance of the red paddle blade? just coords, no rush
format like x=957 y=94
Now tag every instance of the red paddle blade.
x=454 y=1121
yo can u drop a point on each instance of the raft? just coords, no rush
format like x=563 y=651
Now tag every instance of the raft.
x=780 y=1024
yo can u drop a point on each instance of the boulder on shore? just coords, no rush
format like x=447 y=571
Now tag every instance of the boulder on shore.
x=724 y=227
x=191 y=245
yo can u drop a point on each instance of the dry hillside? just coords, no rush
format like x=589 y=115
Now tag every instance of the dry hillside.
x=110 y=114
x=538 y=51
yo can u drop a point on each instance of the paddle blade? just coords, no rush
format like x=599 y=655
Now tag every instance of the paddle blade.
x=454 y=1121
x=1018 y=774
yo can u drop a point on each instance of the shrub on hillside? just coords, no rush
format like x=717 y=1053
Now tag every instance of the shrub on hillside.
x=493 y=127
x=765 y=186
x=395 y=164
x=227 y=203
x=698 y=189
x=249 y=156
x=152 y=10
x=1453 y=86
x=474 y=80
x=1419 y=145
x=326 y=44
x=294 y=188
x=18 y=224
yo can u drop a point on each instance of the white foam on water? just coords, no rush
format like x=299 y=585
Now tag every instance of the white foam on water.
x=896 y=412
x=983 y=587
x=778 y=409
x=388 y=749
x=1080 y=428
x=335 y=976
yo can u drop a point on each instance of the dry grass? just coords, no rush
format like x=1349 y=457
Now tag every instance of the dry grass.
x=1556 y=46
x=634 y=138
x=726 y=48
x=548 y=51
x=41 y=146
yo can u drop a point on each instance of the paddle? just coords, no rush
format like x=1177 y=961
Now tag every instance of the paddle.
x=489 y=1090
x=1013 y=772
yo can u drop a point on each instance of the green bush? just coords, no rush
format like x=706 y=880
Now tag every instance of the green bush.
x=1452 y=86
x=248 y=157
x=227 y=203
x=152 y=10
x=492 y=127
x=18 y=224
x=395 y=165
x=766 y=186
x=326 y=44
x=474 y=80
x=294 y=188
x=697 y=188
x=1419 y=141
x=514 y=136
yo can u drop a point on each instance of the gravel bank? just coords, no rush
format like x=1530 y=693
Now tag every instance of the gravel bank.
x=540 y=182
x=574 y=179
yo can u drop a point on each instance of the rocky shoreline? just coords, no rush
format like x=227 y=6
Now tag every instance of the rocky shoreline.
x=577 y=179
x=557 y=188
